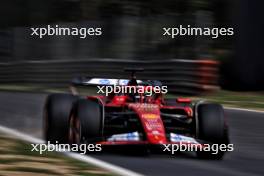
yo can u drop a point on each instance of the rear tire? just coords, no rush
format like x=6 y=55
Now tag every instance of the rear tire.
x=56 y=116
x=85 y=122
x=212 y=128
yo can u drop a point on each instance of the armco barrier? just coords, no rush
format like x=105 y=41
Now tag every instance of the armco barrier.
x=181 y=76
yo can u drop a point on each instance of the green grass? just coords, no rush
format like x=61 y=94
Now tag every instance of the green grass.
x=253 y=100
x=33 y=170
x=17 y=157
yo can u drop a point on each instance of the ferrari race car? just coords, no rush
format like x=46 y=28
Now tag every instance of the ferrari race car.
x=133 y=118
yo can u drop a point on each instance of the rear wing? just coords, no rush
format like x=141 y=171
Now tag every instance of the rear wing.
x=83 y=81
x=89 y=82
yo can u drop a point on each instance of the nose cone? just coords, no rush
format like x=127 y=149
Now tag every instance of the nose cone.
x=156 y=137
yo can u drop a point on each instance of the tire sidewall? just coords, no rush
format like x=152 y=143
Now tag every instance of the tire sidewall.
x=90 y=116
x=56 y=115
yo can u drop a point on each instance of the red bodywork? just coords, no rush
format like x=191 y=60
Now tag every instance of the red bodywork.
x=148 y=111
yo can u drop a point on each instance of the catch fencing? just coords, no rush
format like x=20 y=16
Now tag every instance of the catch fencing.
x=181 y=76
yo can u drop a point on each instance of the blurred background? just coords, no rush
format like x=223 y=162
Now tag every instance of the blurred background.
x=227 y=70
x=132 y=36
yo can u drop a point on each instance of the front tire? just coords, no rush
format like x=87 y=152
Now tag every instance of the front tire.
x=212 y=128
x=56 y=116
x=85 y=122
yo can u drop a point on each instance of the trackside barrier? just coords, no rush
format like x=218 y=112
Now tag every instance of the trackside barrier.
x=181 y=76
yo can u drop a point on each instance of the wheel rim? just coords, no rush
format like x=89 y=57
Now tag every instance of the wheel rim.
x=74 y=130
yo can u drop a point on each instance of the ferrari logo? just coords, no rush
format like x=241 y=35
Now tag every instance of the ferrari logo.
x=150 y=116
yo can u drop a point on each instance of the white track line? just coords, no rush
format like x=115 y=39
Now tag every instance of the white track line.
x=84 y=158
x=242 y=109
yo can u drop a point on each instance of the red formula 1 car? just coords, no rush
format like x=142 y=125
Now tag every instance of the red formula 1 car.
x=133 y=118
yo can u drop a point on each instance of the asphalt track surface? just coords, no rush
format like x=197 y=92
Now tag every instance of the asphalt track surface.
x=23 y=112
